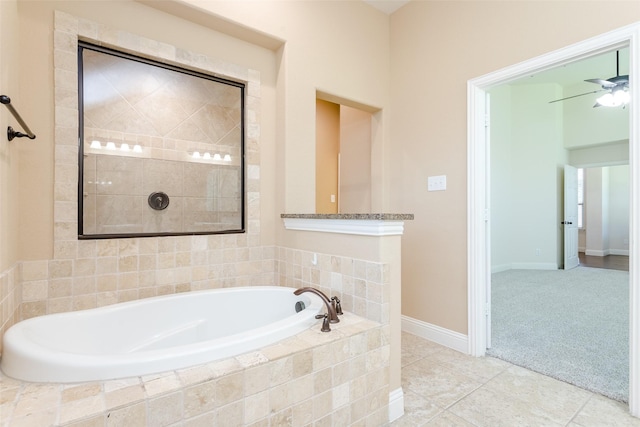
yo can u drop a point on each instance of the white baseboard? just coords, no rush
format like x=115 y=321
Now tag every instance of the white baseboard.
x=442 y=336
x=396 y=404
x=534 y=266
x=596 y=252
x=619 y=252
x=524 y=266
x=500 y=268
x=605 y=252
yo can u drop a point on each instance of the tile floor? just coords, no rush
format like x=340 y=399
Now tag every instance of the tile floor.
x=443 y=387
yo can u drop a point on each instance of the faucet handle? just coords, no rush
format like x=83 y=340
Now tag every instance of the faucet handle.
x=336 y=304
x=325 y=324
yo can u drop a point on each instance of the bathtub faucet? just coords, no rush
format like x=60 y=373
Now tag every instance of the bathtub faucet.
x=331 y=309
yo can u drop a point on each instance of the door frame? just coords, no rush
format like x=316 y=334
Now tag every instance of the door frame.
x=570 y=212
x=478 y=184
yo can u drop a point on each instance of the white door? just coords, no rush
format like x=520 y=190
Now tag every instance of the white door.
x=570 y=217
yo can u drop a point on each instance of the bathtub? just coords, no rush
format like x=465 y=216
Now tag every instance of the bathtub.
x=154 y=335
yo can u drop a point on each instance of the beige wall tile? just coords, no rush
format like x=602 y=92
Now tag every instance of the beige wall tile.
x=35 y=270
x=280 y=397
x=95 y=421
x=302 y=413
x=133 y=415
x=200 y=398
x=165 y=410
x=256 y=407
x=283 y=418
x=161 y=383
x=323 y=380
x=82 y=391
x=281 y=371
x=35 y=291
x=230 y=415
x=41 y=418
x=322 y=404
x=122 y=396
x=81 y=408
x=302 y=388
x=257 y=379
x=33 y=309
x=230 y=388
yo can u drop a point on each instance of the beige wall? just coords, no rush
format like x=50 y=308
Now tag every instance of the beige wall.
x=349 y=62
x=61 y=274
x=10 y=289
x=9 y=86
x=435 y=48
x=343 y=158
x=355 y=160
x=36 y=78
x=327 y=151
x=296 y=69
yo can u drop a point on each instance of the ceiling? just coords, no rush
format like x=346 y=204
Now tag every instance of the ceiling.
x=387 y=6
x=602 y=66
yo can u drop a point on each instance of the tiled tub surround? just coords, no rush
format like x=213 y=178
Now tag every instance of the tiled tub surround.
x=337 y=378
x=127 y=269
x=371 y=288
x=117 y=270
x=362 y=286
x=10 y=300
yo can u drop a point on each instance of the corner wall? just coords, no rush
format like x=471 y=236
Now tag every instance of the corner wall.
x=89 y=273
x=526 y=193
x=452 y=42
x=9 y=178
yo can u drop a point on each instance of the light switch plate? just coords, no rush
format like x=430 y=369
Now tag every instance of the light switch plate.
x=437 y=183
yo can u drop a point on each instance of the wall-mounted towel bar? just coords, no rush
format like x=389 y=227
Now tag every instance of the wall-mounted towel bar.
x=11 y=133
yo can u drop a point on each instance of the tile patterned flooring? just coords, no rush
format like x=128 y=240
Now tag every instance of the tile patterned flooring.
x=445 y=388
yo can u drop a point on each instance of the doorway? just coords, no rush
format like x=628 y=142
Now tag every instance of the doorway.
x=536 y=320
x=479 y=227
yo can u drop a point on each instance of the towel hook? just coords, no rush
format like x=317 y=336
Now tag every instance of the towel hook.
x=11 y=133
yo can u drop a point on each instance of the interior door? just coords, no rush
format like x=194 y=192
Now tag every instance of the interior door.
x=570 y=217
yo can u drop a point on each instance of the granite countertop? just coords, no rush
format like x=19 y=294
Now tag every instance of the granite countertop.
x=362 y=216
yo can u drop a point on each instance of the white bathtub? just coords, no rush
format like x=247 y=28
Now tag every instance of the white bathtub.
x=154 y=334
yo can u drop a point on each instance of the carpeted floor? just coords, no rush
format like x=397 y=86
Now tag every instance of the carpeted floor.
x=571 y=325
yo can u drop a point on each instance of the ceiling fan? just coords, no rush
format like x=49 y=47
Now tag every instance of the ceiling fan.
x=617 y=89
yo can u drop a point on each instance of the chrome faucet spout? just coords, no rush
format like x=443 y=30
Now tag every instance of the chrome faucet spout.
x=331 y=310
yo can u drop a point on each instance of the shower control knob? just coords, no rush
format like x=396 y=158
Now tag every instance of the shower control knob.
x=158 y=200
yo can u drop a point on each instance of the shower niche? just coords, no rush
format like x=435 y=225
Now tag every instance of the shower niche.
x=161 y=148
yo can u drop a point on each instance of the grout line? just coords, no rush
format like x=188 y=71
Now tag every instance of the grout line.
x=580 y=409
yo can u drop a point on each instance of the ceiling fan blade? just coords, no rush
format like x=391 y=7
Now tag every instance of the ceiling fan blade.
x=603 y=83
x=575 y=96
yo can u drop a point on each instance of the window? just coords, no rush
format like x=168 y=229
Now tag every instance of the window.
x=162 y=148
x=580 y=198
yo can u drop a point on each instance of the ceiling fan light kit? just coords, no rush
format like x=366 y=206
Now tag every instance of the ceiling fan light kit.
x=617 y=89
x=615 y=99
